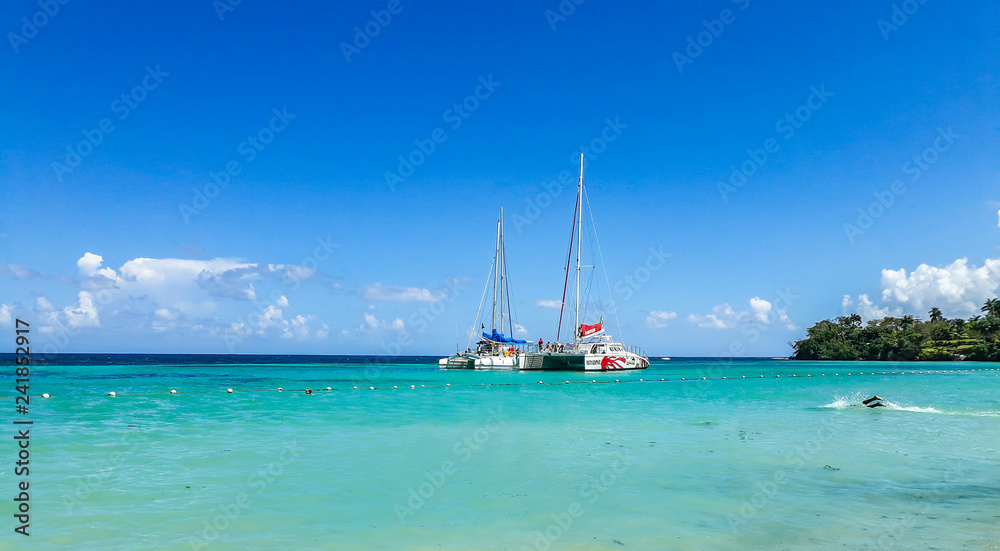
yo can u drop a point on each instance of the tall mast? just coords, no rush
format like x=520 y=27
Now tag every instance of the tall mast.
x=496 y=265
x=579 y=237
x=501 y=268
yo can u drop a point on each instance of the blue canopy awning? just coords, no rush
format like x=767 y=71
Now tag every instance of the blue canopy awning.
x=498 y=337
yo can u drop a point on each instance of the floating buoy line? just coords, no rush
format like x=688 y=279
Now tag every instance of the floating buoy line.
x=563 y=382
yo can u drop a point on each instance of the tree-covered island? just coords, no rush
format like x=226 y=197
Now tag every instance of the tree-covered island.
x=905 y=338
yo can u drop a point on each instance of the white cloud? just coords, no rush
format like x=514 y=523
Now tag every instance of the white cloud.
x=5 y=317
x=658 y=319
x=271 y=316
x=323 y=331
x=867 y=309
x=998 y=218
x=166 y=314
x=550 y=303
x=760 y=309
x=723 y=317
x=175 y=294
x=89 y=263
x=378 y=291
x=84 y=314
x=188 y=286
x=787 y=321
x=520 y=329
x=957 y=289
x=373 y=323
x=18 y=271
x=297 y=327
x=292 y=272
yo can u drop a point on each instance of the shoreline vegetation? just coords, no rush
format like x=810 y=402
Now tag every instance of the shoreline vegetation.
x=906 y=338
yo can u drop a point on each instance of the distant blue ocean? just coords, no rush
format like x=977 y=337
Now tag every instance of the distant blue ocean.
x=760 y=454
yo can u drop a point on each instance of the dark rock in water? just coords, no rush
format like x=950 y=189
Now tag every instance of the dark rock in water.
x=831 y=468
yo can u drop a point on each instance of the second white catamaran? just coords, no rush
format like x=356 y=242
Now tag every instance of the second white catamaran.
x=494 y=350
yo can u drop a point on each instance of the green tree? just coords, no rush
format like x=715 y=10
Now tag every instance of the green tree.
x=957 y=325
x=991 y=307
x=936 y=315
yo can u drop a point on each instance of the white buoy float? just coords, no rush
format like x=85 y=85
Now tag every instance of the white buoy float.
x=280 y=389
x=329 y=388
x=172 y=391
x=112 y=393
x=229 y=390
x=45 y=395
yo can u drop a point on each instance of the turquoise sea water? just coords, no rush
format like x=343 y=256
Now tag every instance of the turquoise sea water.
x=497 y=461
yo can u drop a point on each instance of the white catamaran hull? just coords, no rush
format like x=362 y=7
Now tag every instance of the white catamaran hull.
x=583 y=362
x=470 y=361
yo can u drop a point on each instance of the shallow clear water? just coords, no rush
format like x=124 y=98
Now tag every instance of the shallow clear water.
x=498 y=461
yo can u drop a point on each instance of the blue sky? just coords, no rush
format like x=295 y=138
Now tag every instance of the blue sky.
x=864 y=136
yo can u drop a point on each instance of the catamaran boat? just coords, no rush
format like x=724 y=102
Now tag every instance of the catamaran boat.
x=592 y=349
x=494 y=350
